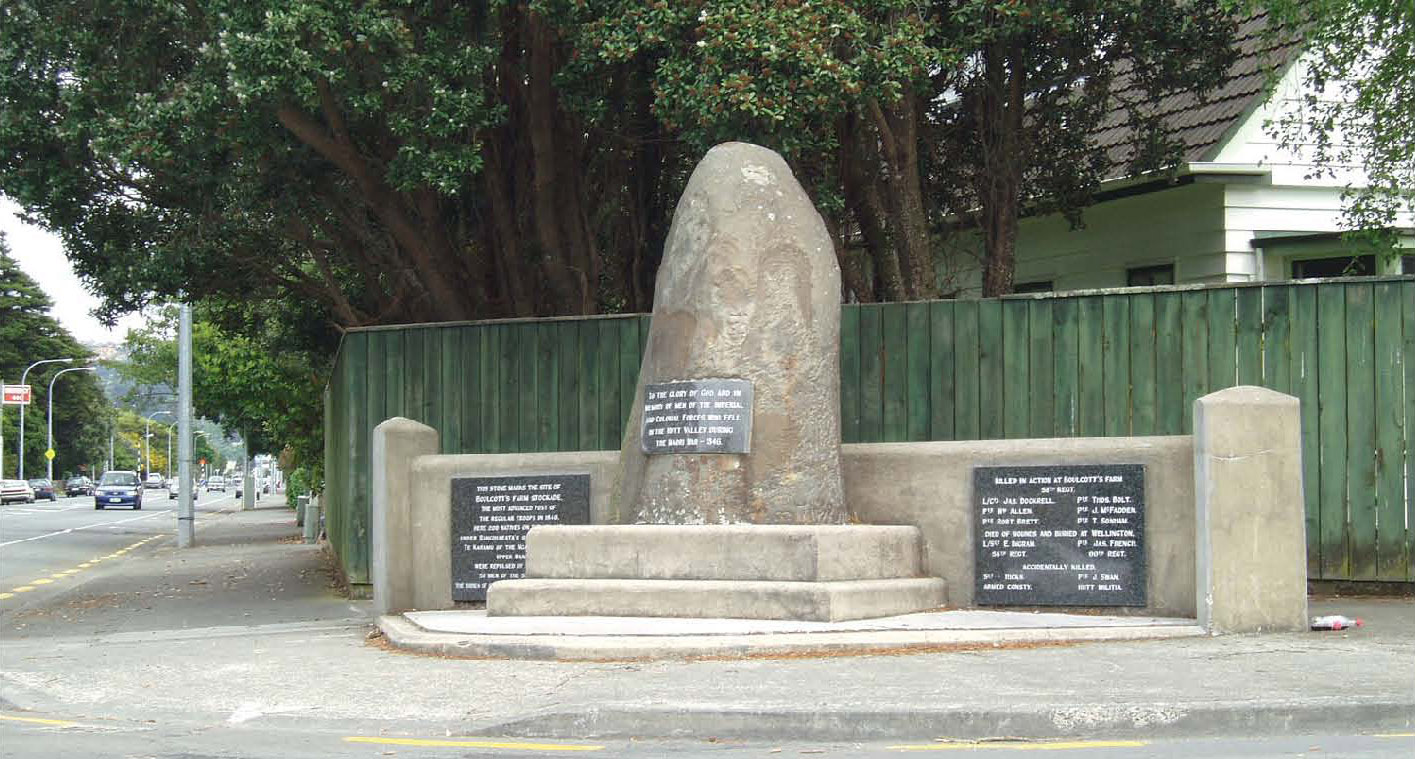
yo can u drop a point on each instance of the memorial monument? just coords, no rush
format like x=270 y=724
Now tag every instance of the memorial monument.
x=729 y=492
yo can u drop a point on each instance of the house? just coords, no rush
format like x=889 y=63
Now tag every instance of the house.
x=1240 y=208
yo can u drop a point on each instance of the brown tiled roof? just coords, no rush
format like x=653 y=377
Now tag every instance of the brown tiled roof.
x=1201 y=125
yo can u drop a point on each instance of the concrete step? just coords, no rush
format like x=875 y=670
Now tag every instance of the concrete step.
x=715 y=599
x=788 y=553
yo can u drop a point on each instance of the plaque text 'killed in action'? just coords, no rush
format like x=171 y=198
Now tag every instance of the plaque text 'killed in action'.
x=1060 y=535
x=698 y=416
x=490 y=519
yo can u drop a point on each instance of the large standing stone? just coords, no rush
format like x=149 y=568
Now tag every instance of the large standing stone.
x=749 y=288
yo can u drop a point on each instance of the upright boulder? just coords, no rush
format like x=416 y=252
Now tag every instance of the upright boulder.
x=748 y=289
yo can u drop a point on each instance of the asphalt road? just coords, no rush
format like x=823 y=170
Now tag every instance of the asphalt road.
x=49 y=547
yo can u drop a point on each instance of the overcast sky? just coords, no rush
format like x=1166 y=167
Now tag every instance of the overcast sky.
x=41 y=256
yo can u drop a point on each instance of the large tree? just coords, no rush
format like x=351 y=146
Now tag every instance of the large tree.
x=421 y=160
x=907 y=118
x=395 y=161
x=81 y=412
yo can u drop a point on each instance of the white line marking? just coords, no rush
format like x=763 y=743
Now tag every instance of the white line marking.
x=85 y=527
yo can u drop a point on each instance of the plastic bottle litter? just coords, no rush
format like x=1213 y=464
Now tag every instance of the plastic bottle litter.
x=1335 y=622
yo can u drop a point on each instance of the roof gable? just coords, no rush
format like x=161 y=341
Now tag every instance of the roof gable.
x=1201 y=124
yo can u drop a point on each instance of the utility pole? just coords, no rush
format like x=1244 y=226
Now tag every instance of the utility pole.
x=186 y=495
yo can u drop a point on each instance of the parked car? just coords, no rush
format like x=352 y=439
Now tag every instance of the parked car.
x=153 y=481
x=118 y=488
x=43 y=489
x=78 y=486
x=216 y=482
x=16 y=491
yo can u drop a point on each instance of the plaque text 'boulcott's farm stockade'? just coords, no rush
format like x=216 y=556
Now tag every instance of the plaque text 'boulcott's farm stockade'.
x=490 y=519
x=698 y=416
x=1060 y=535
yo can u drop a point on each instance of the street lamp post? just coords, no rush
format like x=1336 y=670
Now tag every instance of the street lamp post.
x=49 y=461
x=23 y=377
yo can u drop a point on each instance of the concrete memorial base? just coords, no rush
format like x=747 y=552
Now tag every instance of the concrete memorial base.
x=808 y=572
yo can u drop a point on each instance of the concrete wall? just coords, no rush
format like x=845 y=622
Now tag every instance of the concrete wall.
x=924 y=484
x=931 y=485
x=1226 y=546
x=431 y=499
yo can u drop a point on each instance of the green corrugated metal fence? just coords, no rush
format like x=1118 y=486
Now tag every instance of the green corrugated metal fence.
x=1086 y=364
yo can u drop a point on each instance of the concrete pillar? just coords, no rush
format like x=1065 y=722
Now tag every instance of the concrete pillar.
x=396 y=442
x=312 y=521
x=301 y=502
x=1250 y=535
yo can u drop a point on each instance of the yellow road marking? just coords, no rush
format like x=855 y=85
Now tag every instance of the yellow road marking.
x=38 y=721
x=1395 y=735
x=474 y=744
x=1020 y=745
x=64 y=574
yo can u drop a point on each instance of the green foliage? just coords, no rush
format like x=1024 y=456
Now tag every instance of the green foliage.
x=270 y=394
x=1358 y=104
x=298 y=483
x=81 y=413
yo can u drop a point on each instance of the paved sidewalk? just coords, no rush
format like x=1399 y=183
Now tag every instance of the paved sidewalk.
x=244 y=629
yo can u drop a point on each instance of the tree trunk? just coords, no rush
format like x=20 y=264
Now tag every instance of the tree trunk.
x=899 y=134
x=862 y=196
x=1001 y=113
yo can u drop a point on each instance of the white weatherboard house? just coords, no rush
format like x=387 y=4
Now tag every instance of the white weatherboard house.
x=1241 y=209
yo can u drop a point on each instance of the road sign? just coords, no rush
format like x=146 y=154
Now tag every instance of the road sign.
x=49 y=454
x=16 y=395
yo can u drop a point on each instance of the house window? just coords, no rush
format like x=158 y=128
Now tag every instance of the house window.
x=1407 y=264
x=1339 y=266
x=1149 y=276
x=1040 y=286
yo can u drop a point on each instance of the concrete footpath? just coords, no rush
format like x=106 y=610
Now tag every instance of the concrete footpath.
x=246 y=629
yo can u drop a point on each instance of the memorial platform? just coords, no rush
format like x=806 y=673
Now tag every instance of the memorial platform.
x=821 y=573
x=473 y=634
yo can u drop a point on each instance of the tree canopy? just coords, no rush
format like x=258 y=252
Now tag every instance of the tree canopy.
x=1358 y=102
x=81 y=412
x=417 y=160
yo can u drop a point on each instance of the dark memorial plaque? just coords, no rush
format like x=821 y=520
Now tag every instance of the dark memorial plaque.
x=698 y=416
x=490 y=519
x=1060 y=535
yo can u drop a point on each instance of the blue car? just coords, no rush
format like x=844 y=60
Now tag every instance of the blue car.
x=118 y=488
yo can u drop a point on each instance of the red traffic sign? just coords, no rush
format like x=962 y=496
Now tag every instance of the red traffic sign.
x=16 y=395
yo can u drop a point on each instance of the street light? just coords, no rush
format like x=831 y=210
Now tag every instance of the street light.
x=23 y=377
x=49 y=460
